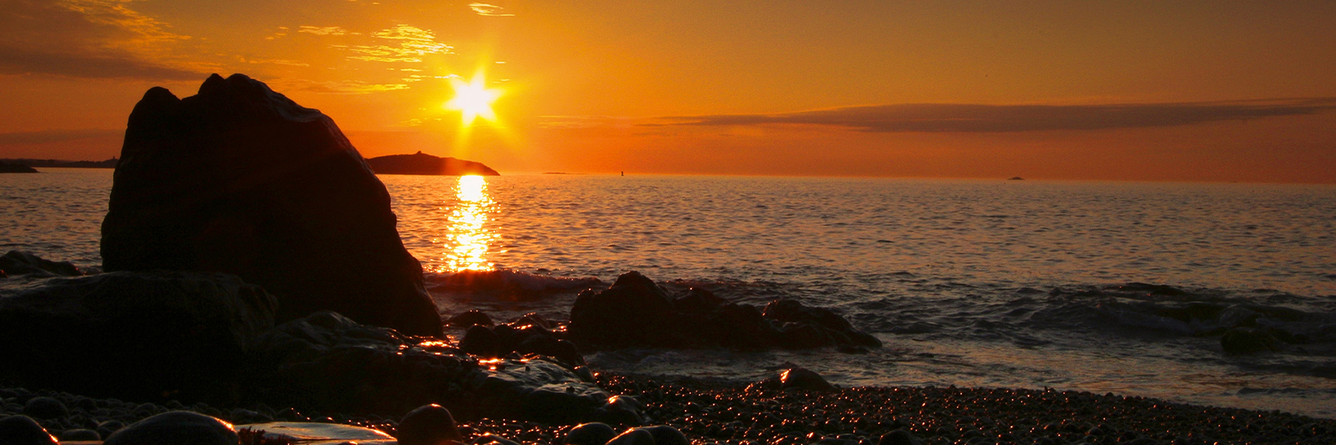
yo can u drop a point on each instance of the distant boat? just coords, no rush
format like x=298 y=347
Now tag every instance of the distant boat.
x=1016 y=178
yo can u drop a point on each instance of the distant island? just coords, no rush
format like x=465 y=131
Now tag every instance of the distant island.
x=424 y=164
x=1016 y=178
x=56 y=163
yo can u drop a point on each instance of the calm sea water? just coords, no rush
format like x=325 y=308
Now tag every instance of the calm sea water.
x=974 y=283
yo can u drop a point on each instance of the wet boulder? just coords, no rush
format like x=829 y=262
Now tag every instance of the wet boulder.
x=428 y=425
x=469 y=319
x=381 y=370
x=176 y=427
x=22 y=430
x=15 y=263
x=240 y=179
x=635 y=311
x=132 y=334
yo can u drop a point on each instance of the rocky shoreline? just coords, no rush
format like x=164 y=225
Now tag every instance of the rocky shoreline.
x=736 y=413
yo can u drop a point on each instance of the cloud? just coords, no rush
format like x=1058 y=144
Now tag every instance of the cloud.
x=974 y=118
x=326 y=30
x=489 y=10
x=88 y=39
x=45 y=136
x=75 y=64
x=413 y=43
x=339 y=87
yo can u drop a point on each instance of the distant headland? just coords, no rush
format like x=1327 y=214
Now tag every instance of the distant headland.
x=14 y=167
x=56 y=163
x=424 y=164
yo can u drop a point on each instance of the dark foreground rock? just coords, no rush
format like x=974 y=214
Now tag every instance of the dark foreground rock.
x=176 y=427
x=424 y=164
x=15 y=263
x=132 y=334
x=328 y=361
x=211 y=337
x=635 y=311
x=240 y=179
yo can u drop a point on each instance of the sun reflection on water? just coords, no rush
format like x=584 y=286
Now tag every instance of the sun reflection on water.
x=468 y=238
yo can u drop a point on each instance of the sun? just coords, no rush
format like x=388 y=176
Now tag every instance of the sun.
x=473 y=99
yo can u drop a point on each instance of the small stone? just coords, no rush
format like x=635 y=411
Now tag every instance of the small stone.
x=899 y=437
x=45 y=408
x=620 y=410
x=22 y=430
x=491 y=440
x=176 y=427
x=633 y=437
x=80 y=434
x=799 y=378
x=482 y=341
x=666 y=435
x=428 y=425
x=593 y=433
x=469 y=319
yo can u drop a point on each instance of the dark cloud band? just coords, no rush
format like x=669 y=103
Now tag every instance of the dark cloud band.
x=16 y=61
x=45 y=136
x=973 y=118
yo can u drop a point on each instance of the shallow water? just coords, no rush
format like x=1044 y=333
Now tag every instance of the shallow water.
x=979 y=283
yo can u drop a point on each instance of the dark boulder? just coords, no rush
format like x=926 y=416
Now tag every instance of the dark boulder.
x=326 y=360
x=45 y=408
x=428 y=425
x=132 y=335
x=176 y=427
x=15 y=263
x=593 y=433
x=635 y=311
x=469 y=319
x=22 y=430
x=240 y=179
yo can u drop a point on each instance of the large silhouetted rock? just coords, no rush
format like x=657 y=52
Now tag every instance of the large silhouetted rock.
x=424 y=164
x=240 y=179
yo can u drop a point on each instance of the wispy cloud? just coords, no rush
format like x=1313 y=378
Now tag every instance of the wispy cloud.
x=412 y=44
x=89 y=39
x=974 y=118
x=339 y=87
x=489 y=10
x=326 y=30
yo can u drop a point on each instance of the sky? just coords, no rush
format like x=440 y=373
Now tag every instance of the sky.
x=1082 y=90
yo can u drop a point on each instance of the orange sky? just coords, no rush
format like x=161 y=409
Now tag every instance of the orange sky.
x=1197 y=91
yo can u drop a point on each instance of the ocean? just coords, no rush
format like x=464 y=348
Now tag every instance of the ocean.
x=1097 y=286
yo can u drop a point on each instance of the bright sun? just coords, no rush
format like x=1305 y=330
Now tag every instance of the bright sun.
x=473 y=99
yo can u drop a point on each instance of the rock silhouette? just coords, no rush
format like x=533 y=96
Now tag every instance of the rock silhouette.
x=424 y=164
x=635 y=311
x=240 y=179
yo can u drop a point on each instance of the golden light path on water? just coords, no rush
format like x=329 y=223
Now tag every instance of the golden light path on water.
x=468 y=238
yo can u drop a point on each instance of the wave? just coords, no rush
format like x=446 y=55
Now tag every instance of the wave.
x=505 y=284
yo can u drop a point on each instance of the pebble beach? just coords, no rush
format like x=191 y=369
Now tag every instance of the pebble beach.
x=736 y=413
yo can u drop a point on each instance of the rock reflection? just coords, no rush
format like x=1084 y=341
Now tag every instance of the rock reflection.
x=468 y=239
